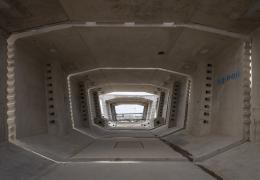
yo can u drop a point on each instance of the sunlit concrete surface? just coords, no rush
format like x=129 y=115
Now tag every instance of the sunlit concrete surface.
x=128 y=149
x=203 y=147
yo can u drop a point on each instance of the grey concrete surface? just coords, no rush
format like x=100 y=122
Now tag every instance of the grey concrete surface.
x=235 y=15
x=238 y=163
x=31 y=106
x=123 y=170
x=255 y=125
x=135 y=47
x=3 y=51
x=17 y=163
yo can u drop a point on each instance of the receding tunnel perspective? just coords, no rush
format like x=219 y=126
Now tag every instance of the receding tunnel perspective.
x=130 y=101
x=144 y=90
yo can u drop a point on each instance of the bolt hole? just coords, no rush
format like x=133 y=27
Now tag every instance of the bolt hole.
x=161 y=53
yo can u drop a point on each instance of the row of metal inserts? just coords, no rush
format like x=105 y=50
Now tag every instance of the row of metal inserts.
x=98 y=117
x=174 y=104
x=50 y=94
x=160 y=109
x=83 y=105
x=188 y=96
x=208 y=94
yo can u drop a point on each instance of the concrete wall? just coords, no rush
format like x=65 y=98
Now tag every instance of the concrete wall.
x=226 y=103
x=227 y=93
x=41 y=93
x=75 y=100
x=3 y=124
x=30 y=93
x=61 y=100
x=182 y=103
x=255 y=125
x=195 y=125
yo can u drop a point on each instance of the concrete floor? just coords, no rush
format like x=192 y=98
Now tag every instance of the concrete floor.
x=58 y=148
x=131 y=158
x=203 y=147
x=127 y=171
x=239 y=163
x=128 y=149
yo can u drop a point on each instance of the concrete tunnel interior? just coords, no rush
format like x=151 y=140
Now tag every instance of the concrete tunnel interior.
x=189 y=74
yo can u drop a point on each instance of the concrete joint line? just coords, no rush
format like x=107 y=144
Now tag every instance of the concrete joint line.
x=199 y=27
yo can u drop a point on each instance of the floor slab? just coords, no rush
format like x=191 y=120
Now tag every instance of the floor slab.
x=129 y=148
x=203 y=147
x=128 y=171
x=239 y=163
x=58 y=148
x=19 y=164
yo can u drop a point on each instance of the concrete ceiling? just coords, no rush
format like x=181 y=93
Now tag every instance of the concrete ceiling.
x=80 y=49
x=232 y=15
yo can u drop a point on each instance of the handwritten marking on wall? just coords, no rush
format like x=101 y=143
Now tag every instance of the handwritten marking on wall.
x=232 y=76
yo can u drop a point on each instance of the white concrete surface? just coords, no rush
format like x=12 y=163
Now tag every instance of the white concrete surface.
x=202 y=147
x=58 y=148
x=128 y=148
x=128 y=171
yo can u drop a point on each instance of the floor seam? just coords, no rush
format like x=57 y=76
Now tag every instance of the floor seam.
x=191 y=159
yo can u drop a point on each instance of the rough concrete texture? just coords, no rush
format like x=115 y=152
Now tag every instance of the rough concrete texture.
x=3 y=124
x=128 y=170
x=238 y=163
x=17 y=163
x=255 y=126
x=31 y=109
x=234 y=15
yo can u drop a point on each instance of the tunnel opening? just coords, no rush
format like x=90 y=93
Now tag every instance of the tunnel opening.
x=128 y=109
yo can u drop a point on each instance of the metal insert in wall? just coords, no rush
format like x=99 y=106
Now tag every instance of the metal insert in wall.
x=207 y=95
x=98 y=117
x=160 y=120
x=83 y=104
x=50 y=94
x=174 y=104
x=188 y=95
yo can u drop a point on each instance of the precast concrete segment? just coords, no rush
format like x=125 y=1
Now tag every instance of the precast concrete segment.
x=127 y=68
x=55 y=27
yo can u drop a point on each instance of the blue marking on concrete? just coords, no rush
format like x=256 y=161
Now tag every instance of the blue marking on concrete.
x=232 y=76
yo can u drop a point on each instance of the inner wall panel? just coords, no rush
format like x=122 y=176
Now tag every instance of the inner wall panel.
x=30 y=93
